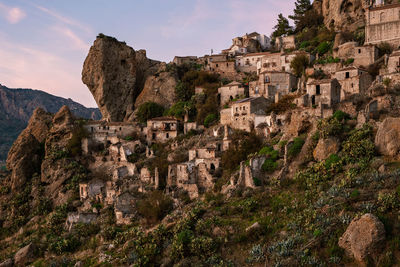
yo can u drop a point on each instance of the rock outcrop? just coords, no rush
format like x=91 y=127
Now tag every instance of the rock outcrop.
x=363 y=237
x=387 y=137
x=159 y=88
x=115 y=74
x=25 y=155
x=325 y=148
x=25 y=255
x=340 y=15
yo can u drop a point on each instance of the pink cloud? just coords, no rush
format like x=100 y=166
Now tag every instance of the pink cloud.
x=12 y=14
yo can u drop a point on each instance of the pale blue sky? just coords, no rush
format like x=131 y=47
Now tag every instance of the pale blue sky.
x=43 y=43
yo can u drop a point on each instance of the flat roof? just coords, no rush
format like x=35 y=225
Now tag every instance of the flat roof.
x=381 y=7
x=316 y=82
x=164 y=119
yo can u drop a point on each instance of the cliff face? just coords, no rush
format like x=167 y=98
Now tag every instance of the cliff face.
x=18 y=105
x=159 y=88
x=115 y=74
x=342 y=14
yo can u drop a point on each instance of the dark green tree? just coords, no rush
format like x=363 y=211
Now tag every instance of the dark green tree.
x=302 y=6
x=148 y=111
x=282 y=27
x=299 y=64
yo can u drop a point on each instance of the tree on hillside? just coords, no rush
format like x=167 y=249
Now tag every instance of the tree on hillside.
x=305 y=16
x=299 y=65
x=282 y=27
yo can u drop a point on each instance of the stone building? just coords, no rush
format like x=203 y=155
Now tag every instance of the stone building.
x=162 y=129
x=248 y=43
x=250 y=62
x=323 y=92
x=271 y=62
x=362 y=55
x=101 y=130
x=230 y=91
x=285 y=43
x=185 y=60
x=225 y=68
x=393 y=65
x=353 y=80
x=383 y=24
x=242 y=113
x=271 y=83
x=124 y=209
x=93 y=190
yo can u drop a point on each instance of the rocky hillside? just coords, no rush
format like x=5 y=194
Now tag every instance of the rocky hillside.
x=17 y=106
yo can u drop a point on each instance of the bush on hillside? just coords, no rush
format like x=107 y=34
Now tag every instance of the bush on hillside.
x=149 y=110
x=154 y=206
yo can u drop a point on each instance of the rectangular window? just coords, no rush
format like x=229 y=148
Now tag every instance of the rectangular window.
x=318 y=89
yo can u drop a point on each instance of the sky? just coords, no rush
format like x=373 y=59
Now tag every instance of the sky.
x=43 y=43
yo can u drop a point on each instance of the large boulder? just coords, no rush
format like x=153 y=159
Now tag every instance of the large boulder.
x=325 y=148
x=388 y=136
x=25 y=255
x=115 y=74
x=363 y=237
x=24 y=157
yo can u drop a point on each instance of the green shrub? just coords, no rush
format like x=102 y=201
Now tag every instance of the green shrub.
x=359 y=145
x=296 y=147
x=62 y=245
x=148 y=111
x=340 y=115
x=210 y=119
x=329 y=127
x=331 y=161
x=348 y=61
x=323 y=48
x=155 y=206
x=179 y=109
x=270 y=164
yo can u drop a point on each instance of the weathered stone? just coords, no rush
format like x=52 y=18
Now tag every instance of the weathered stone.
x=25 y=255
x=387 y=137
x=7 y=263
x=363 y=237
x=253 y=228
x=159 y=88
x=25 y=154
x=115 y=75
x=325 y=148
x=24 y=159
x=342 y=15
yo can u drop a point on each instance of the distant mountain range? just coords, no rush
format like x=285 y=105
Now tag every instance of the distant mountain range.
x=17 y=106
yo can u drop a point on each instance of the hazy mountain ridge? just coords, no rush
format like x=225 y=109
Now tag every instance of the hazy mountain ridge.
x=17 y=106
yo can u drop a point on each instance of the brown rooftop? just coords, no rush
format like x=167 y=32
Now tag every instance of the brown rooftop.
x=352 y=68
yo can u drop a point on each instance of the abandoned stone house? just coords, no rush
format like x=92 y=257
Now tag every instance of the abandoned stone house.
x=101 y=130
x=226 y=68
x=285 y=43
x=324 y=93
x=271 y=62
x=393 y=64
x=250 y=62
x=124 y=208
x=353 y=80
x=92 y=190
x=184 y=60
x=241 y=114
x=230 y=92
x=383 y=24
x=362 y=55
x=271 y=83
x=162 y=129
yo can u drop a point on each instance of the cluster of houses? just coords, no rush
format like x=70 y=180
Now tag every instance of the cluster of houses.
x=243 y=107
